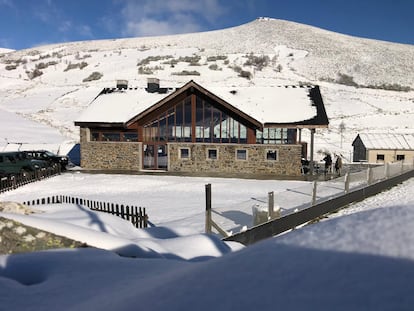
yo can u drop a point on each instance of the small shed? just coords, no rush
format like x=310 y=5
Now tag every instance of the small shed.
x=383 y=147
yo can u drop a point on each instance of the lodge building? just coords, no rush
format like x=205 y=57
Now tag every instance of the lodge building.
x=191 y=129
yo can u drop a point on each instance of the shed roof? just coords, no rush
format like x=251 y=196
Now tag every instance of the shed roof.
x=266 y=105
x=387 y=141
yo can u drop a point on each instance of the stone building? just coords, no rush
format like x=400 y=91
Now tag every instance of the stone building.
x=224 y=130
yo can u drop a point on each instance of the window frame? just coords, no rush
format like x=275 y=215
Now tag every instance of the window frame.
x=380 y=157
x=400 y=157
x=275 y=151
x=180 y=153
x=208 y=154
x=245 y=154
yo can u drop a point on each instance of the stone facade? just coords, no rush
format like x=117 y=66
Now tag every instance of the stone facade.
x=109 y=155
x=128 y=156
x=288 y=161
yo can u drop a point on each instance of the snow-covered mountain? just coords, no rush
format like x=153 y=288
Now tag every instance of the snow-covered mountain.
x=367 y=85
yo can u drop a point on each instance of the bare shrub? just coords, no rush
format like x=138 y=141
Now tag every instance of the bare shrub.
x=186 y=73
x=93 y=76
x=149 y=59
x=34 y=73
x=11 y=67
x=216 y=58
x=346 y=80
x=76 y=65
x=214 y=67
x=257 y=61
x=245 y=74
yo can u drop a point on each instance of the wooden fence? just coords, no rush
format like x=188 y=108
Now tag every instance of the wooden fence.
x=15 y=181
x=277 y=226
x=136 y=215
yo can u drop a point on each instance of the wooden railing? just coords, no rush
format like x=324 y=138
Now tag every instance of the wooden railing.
x=15 y=181
x=136 y=215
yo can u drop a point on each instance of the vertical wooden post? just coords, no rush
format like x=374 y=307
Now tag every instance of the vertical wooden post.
x=311 y=151
x=208 y=208
x=271 y=205
x=387 y=170
x=347 y=180
x=369 y=176
x=314 y=190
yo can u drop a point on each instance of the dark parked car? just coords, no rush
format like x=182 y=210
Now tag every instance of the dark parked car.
x=48 y=156
x=17 y=162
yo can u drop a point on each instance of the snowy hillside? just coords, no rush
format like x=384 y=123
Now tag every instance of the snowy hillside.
x=51 y=85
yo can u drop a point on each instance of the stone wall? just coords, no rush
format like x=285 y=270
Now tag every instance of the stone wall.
x=128 y=156
x=109 y=155
x=288 y=162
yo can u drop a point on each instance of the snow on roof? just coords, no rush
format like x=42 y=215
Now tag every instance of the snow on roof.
x=388 y=141
x=278 y=104
x=119 y=106
x=272 y=104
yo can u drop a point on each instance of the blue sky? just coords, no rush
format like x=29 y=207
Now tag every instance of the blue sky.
x=29 y=23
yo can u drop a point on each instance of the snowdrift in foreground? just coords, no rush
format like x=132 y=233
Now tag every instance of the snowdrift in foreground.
x=364 y=261
x=110 y=232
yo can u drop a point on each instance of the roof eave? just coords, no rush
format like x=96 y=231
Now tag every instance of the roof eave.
x=99 y=124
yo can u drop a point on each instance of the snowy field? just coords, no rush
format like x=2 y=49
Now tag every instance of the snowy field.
x=359 y=259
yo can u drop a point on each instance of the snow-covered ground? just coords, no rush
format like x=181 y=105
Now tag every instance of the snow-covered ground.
x=361 y=258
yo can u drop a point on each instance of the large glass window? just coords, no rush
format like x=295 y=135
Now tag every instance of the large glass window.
x=207 y=123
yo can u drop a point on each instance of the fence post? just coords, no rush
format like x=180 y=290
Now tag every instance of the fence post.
x=271 y=205
x=145 y=218
x=314 y=190
x=369 y=176
x=208 y=208
x=387 y=170
x=347 y=180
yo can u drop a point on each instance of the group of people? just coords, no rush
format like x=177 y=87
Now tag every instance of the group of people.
x=328 y=164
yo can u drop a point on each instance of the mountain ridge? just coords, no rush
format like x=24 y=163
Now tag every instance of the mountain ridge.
x=365 y=59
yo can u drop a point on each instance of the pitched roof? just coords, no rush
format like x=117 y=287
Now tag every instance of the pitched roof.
x=260 y=105
x=118 y=106
x=387 y=141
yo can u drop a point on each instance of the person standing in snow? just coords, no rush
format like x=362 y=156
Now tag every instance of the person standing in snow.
x=328 y=163
x=338 y=165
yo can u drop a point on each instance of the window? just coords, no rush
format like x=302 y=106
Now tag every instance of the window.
x=380 y=157
x=95 y=136
x=130 y=137
x=276 y=136
x=400 y=157
x=212 y=154
x=184 y=153
x=241 y=154
x=271 y=155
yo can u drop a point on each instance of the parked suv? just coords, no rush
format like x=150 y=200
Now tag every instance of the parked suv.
x=17 y=162
x=48 y=156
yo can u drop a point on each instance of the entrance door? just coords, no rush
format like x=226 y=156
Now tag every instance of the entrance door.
x=155 y=156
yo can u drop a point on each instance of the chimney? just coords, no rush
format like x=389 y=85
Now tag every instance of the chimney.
x=121 y=84
x=153 y=85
